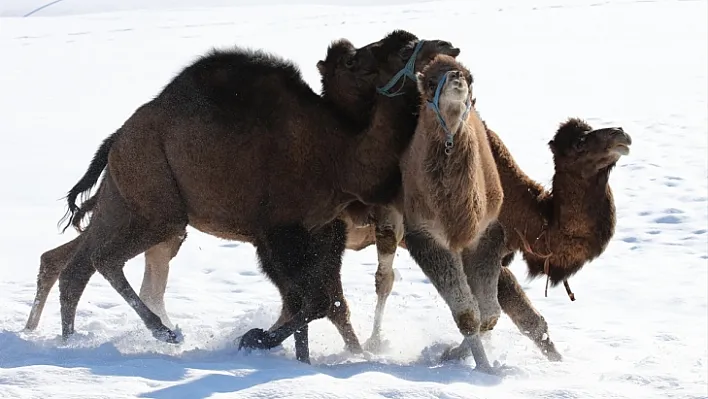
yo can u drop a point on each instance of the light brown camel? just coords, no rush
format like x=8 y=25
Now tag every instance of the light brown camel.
x=452 y=195
x=168 y=169
x=573 y=222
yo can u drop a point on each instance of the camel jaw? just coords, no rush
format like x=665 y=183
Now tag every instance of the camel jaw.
x=621 y=149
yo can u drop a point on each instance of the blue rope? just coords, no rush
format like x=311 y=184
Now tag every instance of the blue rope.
x=407 y=71
x=435 y=105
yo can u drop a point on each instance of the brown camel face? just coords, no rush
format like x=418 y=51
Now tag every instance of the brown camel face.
x=348 y=78
x=457 y=85
x=447 y=84
x=393 y=52
x=578 y=149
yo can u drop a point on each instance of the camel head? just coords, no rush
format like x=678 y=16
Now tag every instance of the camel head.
x=400 y=55
x=580 y=150
x=348 y=78
x=445 y=86
x=582 y=200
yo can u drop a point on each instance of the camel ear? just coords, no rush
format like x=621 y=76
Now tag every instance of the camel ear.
x=321 y=67
x=419 y=81
x=552 y=146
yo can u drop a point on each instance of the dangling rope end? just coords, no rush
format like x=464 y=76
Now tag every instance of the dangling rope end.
x=567 y=289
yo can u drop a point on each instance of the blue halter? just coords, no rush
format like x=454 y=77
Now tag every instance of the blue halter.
x=408 y=70
x=435 y=105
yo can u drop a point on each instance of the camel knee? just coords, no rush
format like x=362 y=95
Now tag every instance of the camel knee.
x=384 y=282
x=339 y=312
x=468 y=322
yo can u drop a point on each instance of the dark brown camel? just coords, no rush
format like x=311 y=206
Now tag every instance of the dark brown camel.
x=350 y=88
x=168 y=168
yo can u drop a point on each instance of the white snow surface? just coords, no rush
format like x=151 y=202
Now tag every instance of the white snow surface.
x=73 y=72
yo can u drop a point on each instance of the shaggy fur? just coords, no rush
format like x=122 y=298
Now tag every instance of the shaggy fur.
x=180 y=159
x=458 y=195
x=450 y=199
x=574 y=222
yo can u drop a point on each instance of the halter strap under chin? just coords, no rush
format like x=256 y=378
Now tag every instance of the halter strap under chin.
x=407 y=71
x=435 y=105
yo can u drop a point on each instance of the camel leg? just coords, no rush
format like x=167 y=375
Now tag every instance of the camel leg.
x=51 y=264
x=285 y=315
x=518 y=307
x=157 y=268
x=292 y=302
x=444 y=269
x=115 y=235
x=482 y=265
x=389 y=232
x=309 y=266
x=339 y=315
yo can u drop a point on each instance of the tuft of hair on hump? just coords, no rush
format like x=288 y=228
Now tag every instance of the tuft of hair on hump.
x=246 y=61
x=568 y=134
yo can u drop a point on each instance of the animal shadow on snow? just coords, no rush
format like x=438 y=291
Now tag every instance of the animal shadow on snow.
x=106 y=359
x=272 y=369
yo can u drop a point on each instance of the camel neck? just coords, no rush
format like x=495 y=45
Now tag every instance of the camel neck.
x=579 y=201
x=372 y=172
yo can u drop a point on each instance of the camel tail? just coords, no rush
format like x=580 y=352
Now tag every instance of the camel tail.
x=74 y=214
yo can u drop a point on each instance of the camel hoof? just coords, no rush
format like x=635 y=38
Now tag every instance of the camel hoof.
x=305 y=360
x=498 y=370
x=552 y=354
x=164 y=334
x=455 y=353
x=489 y=324
x=375 y=344
x=255 y=338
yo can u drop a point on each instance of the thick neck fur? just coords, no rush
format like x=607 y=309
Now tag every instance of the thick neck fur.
x=372 y=172
x=460 y=192
x=580 y=205
x=574 y=221
x=452 y=113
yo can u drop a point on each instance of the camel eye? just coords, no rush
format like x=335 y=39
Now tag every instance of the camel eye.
x=349 y=62
x=580 y=143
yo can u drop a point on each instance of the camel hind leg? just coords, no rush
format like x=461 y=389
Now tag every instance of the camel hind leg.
x=530 y=322
x=51 y=265
x=389 y=232
x=157 y=268
x=115 y=235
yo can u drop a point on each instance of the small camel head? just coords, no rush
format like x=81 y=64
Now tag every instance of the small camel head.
x=445 y=85
x=579 y=149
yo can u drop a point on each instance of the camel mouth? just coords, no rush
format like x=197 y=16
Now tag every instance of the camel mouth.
x=451 y=51
x=621 y=142
x=621 y=149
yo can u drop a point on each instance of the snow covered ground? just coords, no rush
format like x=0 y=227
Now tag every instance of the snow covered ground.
x=72 y=72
